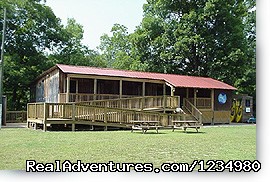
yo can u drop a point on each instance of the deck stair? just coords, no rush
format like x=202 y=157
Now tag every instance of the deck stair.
x=106 y=113
x=48 y=114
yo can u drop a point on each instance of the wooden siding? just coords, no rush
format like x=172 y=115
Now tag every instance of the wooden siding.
x=52 y=87
x=227 y=105
x=47 y=88
x=40 y=95
x=215 y=117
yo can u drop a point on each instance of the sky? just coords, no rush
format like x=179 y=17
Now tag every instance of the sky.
x=98 y=16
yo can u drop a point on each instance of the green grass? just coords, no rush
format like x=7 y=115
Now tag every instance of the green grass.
x=222 y=143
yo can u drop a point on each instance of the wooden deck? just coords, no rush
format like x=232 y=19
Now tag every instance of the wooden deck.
x=114 y=112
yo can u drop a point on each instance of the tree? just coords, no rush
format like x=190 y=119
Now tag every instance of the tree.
x=32 y=29
x=73 y=52
x=202 y=38
x=206 y=38
x=247 y=83
x=35 y=41
x=117 y=49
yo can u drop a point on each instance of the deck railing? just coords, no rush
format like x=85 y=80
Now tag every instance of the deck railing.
x=35 y=110
x=138 y=103
x=192 y=109
x=16 y=116
x=73 y=97
x=90 y=113
x=202 y=103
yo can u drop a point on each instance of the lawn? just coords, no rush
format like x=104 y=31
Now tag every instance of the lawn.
x=221 y=143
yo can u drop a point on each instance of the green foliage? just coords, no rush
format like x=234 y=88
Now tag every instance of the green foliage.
x=72 y=51
x=32 y=28
x=117 y=50
x=35 y=41
x=213 y=38
x=203 y=38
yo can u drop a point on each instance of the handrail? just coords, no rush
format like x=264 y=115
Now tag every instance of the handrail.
x=80 y=97
x=75 y=111
x=202 y=103
x=138 y=102
x=16 y=116
x=192 y=109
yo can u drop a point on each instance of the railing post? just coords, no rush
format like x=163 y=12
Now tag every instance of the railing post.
x=27 y=115
x=68 y=89
x=94 y=114
x=178 y=104
x=35 y=111
x=164 y=103
x=63 y=114
x=184 y=117
x=45 y=115
x=95 y=89
x=105 y=118
x=142 y=102
x=73 y=116
x=200 y=118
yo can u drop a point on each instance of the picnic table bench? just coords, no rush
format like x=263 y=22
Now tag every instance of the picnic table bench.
x=145 y=125
x=186 y=124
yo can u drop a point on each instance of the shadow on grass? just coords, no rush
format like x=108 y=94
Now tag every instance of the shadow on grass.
x=195 y=132
x=149 y=133
x=191 y=132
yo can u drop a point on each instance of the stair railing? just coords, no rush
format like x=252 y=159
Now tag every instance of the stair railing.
x=192 y=110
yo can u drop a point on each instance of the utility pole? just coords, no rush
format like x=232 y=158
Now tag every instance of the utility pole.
x=1 y=67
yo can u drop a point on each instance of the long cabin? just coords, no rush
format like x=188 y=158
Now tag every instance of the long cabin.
x=62 y=93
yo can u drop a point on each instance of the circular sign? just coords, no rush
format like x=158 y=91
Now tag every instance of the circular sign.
x=222 y=98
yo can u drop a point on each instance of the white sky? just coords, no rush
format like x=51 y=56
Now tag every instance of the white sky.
x=98 y=16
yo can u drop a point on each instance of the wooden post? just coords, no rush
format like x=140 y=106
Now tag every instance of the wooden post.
x=36 y=111
x=120 y=88
x=77 y=91
x=187 y=93
x=95 y=89
x=164 y=97
x=73 y=116
x=68 y=89
x=120 y=93
x=45 y=115
x=195 y=97
x=172 y=91
x=143 y=89
x=212 y=99
x=27 y=115
x=212 y=105
x=105 y=119
x=143 y=95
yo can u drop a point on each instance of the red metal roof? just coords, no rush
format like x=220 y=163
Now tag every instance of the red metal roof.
x=173 y=79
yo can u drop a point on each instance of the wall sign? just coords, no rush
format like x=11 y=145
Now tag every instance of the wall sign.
x=222 y=98
x=247 y=109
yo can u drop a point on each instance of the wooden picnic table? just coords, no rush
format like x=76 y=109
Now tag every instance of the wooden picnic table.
x=145 y=125
x=186 y=124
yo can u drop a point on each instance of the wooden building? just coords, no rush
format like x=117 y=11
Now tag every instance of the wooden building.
x=77 y=84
